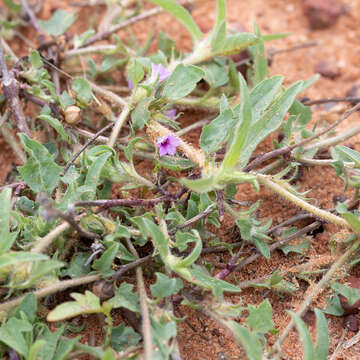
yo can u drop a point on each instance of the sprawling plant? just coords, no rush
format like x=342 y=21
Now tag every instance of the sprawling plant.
x=61 y=228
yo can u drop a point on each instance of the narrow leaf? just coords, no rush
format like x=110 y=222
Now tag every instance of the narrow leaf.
x=182 y=15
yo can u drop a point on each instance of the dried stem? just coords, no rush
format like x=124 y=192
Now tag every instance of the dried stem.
x=105 y=34
x=83 y=148
x=118 y=124
x=106 y=204
x=52 y=289
x=146 y=326
x=10 y=87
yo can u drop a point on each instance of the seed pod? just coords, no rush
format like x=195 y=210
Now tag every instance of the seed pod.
x=73 y=114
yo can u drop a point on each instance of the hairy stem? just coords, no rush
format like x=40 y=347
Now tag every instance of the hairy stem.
x=52 y=289
x=277 y=188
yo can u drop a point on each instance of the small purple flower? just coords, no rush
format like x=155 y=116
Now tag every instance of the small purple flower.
x=171 y=113
x=130 y=85
x=167 y=144
x=159 y=73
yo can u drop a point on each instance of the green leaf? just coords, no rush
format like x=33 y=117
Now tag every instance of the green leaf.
x=40 y=171
x=65 y=347
x=263 y=94
x=162 y=332
x=248 y=340
x=202 y=185
x=56 y=124
x=269 y=121
x=14 y=258
x=262 y=246
x=322 y=336
x=165 y=286
x=110 y=63
x=309 y=351
x=35 y=59
x=28 y=307
x=123 y=337
x=135 y=72
x=81 y=39
x=82 y=89
x=104 y=264
x=232 y=44
x=220 y=12
x=241 y=130
x=77 y=267
x=7 y=238
x=176 y=163
x=141 y=114
x=182 y=15
x=182 y=82
x=84 y=304
x=11 y=335
x=333 y=306
x=214 y=135
x=215 y=75
x=47 y=351
x=352 y=294
x=126 y=298
x=198 y=276
x=158 y=238
x=66 y=100
x=59 y=22
x=260 y=61
x=301 y=248
x=260 y=318
x=93 y=177
x=302 y=112
x=348 y=154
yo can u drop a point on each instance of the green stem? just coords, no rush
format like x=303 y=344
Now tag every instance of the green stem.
x=276 y=187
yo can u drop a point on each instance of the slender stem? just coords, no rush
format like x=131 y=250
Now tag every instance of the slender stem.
x=118 y=124
x=276 y=187
x=106 y=204
x=10 y=88
x=146 y=326
x=87 y=144
x=43 y=243
x=317 y=289
x=322 y=162
x=52 y=289
x=324 y=101
x=108 y=94
x=104 y=48
x=192 y=127
x=105 y=34
x=334 y=140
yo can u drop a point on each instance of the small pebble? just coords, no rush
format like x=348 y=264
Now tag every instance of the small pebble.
x=328 y=69
x=322 y=14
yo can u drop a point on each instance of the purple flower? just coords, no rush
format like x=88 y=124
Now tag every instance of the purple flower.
x=171 y=113
x=130 y=85
x=159 y=73
x=167 y=144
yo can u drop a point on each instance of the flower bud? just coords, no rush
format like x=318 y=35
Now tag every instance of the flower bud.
x=73 y=114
